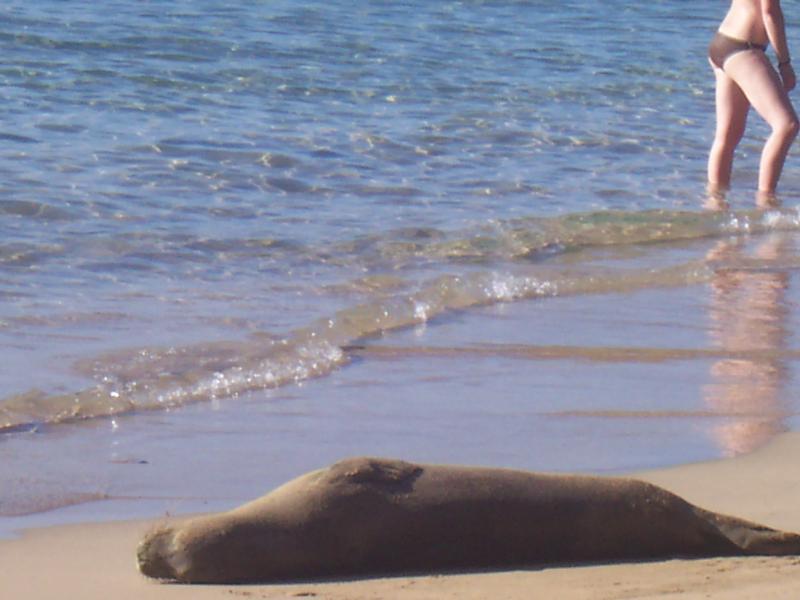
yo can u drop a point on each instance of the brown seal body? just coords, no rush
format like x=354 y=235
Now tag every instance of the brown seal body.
x=367 y=516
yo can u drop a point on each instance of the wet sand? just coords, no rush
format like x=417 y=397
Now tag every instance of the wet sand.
x=97 y=560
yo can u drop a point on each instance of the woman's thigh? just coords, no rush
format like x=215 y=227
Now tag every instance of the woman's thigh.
x=732 y=107
x=761 y=84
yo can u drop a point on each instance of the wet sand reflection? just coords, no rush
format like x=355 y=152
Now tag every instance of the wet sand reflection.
x=748 y=312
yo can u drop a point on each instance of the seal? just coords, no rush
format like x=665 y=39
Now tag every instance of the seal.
x=369 y=516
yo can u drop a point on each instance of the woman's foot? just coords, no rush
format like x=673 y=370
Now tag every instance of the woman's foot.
x=767 y=200
x=715 y=198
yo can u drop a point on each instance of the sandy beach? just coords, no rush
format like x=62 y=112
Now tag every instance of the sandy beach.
x=97 y=560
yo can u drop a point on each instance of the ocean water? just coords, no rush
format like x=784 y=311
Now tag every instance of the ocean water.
x=261 y=236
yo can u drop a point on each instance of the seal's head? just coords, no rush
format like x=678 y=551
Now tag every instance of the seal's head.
x=159 y=557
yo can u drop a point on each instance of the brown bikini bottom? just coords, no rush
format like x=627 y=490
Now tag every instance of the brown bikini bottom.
x=722 y=47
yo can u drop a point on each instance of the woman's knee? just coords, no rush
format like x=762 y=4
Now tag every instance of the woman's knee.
x=727 y=140
x=787 y=127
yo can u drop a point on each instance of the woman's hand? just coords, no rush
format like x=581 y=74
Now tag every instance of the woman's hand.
x=787 y=76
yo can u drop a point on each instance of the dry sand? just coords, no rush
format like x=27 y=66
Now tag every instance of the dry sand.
x=95 y=561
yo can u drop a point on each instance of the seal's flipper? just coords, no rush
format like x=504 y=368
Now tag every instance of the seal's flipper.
x=752 y=538
x=376 y=471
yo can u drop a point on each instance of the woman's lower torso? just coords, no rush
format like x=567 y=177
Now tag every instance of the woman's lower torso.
x=744 y=21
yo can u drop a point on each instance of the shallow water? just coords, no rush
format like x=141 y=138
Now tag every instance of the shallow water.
x=607 y=382
x=460 y=231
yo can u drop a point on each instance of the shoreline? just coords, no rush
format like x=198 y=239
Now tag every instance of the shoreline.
x=93 y=560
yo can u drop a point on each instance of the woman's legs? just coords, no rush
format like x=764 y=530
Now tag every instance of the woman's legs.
x=732 y=109
x=761 y=86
